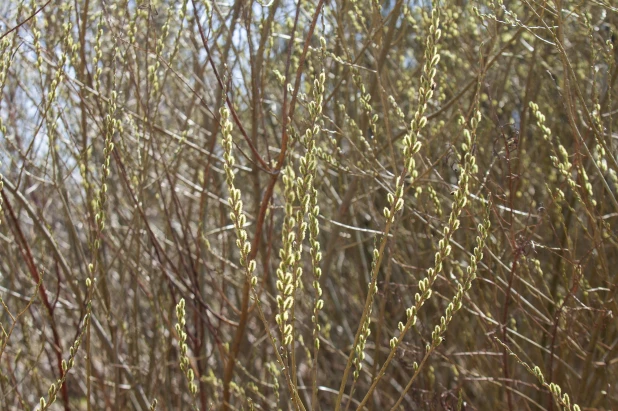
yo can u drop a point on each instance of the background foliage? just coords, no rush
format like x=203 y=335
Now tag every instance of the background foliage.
x=421 y=197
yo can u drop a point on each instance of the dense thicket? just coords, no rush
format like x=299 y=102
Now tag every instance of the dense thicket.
x=347 y=204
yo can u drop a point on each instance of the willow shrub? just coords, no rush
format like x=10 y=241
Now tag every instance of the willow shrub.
x=315 y=205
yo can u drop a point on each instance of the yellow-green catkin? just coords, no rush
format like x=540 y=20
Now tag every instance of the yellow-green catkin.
x=36 y=39
x=444 y=248
x=239 y=219
x=365 y=102
x=237 y=215
x=361 y=143
x=305 y=182
x=274 y=373
x=185 y=365
x=5 y=62
x=54 y=388
x=154 y=77
x=310 y=200
x=285 y=279
x=112 y=125
x=357 y=16
x=561 y=398
x=69 y=47
x=305 y=191
x=176 y=42
x=98 y=54
x=411 y=146
x=433 y=195
x=471 y=273
x=560 y=159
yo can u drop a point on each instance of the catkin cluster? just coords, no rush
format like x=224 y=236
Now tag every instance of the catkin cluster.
x=444 y=248
x=238 y=217
x=411 y=146
x=112 y=125
x=185 y=365
x=562 y=399
x=285 y=279
x=560 y=158
x=55 y=387
x=312 y=208
x=462 y=289
x=395 y=200
x=5 y=62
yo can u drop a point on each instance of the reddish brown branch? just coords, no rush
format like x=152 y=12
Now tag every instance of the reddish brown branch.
x=37 y=11
x=27 y=254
